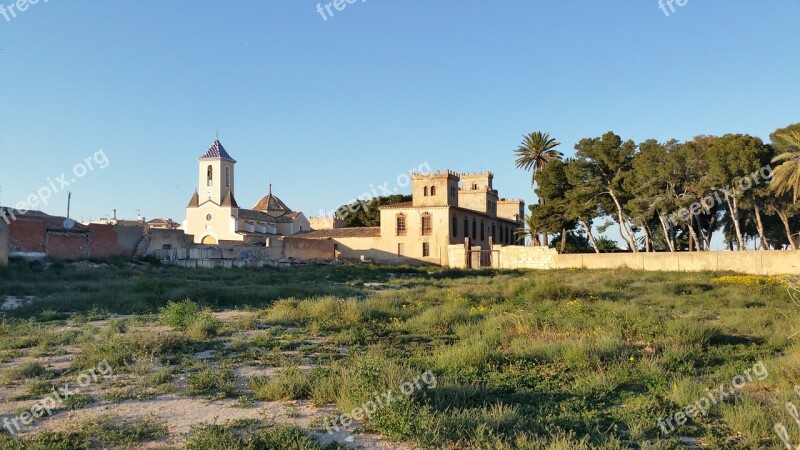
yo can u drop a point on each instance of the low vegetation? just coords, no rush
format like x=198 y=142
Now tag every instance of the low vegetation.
x=531 y=360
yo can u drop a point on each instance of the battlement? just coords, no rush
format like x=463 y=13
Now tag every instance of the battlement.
x=325 y=223
x=511 y=200
x=438 y=174
x=477 y=174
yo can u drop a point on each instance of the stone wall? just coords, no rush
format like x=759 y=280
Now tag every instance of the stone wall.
x=457 y=258
x=751 y=262
x=308 y=249
x=518 y=257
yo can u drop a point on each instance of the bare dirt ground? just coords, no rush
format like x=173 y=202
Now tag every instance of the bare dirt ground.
x=177 y=411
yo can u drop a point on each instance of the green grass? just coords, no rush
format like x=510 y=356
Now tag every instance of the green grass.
x=213 y=382
x=532 y=360
x=104 y=432
x=289 y=384
x=220 y=437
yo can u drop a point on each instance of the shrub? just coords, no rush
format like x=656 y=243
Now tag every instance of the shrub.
x=22 y=372
x=121 y=350
x=203 y=327
x=180 y=315
x=78 y=401
x=289 y=384
x=213 y=437
x=282 y=437
x=220 y=437
x=214 y=383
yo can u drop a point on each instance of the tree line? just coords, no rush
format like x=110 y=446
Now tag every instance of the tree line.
x=665 y=196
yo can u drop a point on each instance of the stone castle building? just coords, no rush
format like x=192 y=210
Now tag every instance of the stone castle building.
x=447 y=209
x=214 y=217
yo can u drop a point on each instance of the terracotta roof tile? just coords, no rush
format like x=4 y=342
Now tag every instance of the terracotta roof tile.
x=398 y=205
x=271 y=203
x=365 y=232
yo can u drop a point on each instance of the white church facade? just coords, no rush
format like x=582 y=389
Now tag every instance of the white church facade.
x=213 y=216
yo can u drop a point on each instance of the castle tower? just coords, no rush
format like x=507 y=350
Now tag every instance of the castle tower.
x=435 y=189
x=477 y=193
x=511 y=209
x=216 y=180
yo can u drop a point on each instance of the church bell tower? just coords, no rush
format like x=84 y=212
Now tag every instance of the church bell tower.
x=216 y=180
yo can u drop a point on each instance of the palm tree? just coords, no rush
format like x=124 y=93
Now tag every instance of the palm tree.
x=787 y=175
x=527 y=231
x=536 y=150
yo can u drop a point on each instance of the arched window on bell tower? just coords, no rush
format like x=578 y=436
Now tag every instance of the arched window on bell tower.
x=210 y=176
x=227 y=177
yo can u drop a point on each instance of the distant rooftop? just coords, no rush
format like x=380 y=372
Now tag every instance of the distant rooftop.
x=217 y=151
x=340 y=233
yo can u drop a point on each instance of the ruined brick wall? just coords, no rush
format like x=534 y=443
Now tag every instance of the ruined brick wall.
x=170 y=239
x=112 y=240
x=3 y=244
x=27 y=237
x=68 y=245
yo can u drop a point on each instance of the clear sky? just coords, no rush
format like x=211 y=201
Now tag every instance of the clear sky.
x=328 y=108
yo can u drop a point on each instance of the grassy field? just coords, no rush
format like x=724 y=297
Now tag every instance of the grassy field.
x=268 y=358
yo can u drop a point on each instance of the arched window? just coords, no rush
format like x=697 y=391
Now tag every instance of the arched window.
x=474 y=229
x=427 y=224
x=210 y=176
x=433 y=191
x=227 y=177
x=474 y=186
x=401 y=224
x=483 y=231
x=494 y=232
x=455 y=227
x=426 y=191
x=466 y=227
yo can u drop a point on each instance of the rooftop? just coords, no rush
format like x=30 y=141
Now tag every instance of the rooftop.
x=271 y=203
x=341 y=233
x=217 y=151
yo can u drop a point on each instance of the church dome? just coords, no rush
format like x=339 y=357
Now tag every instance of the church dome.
x=271 y=203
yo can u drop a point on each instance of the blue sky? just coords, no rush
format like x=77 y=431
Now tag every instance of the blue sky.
x=325 y=109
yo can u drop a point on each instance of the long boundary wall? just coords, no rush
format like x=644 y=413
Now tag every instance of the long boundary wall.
x=750 y=262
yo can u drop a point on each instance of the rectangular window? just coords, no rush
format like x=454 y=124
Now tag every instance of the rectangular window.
x=401 y=225
x=427 y=225
x=401 y=249
x=426 y=250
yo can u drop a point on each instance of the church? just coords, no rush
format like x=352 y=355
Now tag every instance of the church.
x=213 y=217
